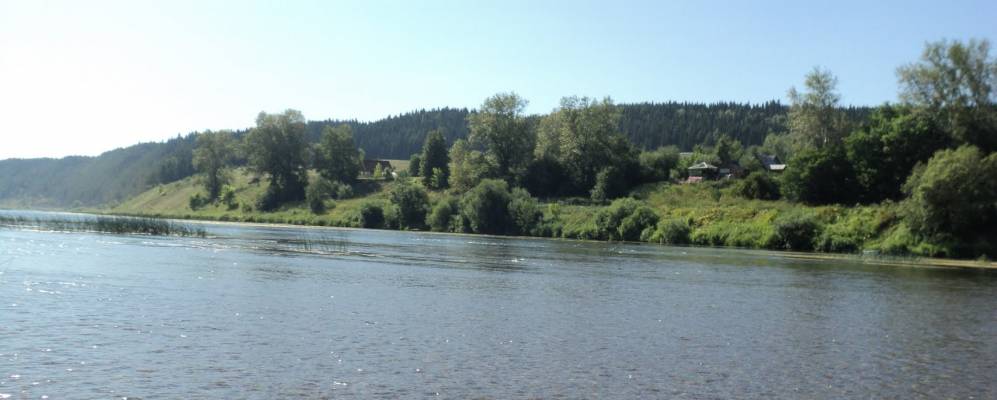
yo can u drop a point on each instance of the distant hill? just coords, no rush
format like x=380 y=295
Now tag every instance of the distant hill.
x=117 y=175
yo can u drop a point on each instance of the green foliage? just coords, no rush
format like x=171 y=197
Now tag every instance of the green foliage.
x=850 y=231
x=435 y=161
x=439 y=180
x=814 y=115
x=727 y=150
x=506 y=135
x=884 y=152
x=228 y=198
x=317 y=192
x=545 y=177
x=371 y=215
x=276 y=147
x=821 y=176
x=486 y=207
x=958 y=82
x=411 y=203
x=796 y=231
x=524 y=212
x=609 y=184
x=657 y=165
x=197 y=201
x=954 y=196
x=583 y=136
x=671 y=231
x=624 y=219
x=339 y=190
x=445 y=216
x=757 y=185
x=336 y=156
x=639 y=225
x=378 y=172
x=415 y=164
x=468 y=167
x=213 y=152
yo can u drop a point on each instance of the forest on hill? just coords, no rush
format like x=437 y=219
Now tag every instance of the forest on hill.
x=121 y=173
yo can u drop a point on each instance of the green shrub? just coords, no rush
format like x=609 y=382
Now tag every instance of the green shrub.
x=525 y=212
x=371 y=215
x=414 y=164
x=850 y=232
x=609 y=184
x=411 y=202
x=638 y=224
x=796 y=231
x=197 y=201
x=671 y=231
x=486 y=207
x=444 y=214
x=954 y=194
x=340 y=190
x=228 y=198
x=821 y=176
x=757 y=186
x=316 y=194
x=625 y=219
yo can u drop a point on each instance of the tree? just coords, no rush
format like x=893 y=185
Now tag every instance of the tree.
x=337 y=157
x=486 y=207
x=414 y=164
x=583 y=136
x=609 y=184
x=958 y=82
x=524 y=212
x=727 y=150
x=411 y=202
x=757 y=185
x=657 y=165
x=435 y=159
x=276 y=147
x=506 y=135
x=213 y=152
x=814 y=115
x=884 y=152
x=445 y=215
x=467 y=166
x=821 y=176
x=954 y=195
x=317 y=192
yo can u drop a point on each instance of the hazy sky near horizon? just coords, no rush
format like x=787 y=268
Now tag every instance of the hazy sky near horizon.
x=80 y=78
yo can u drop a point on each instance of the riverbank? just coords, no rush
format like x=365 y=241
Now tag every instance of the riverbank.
x=699 y=215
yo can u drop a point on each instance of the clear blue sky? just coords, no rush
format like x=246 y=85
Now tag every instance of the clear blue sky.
x=82 y=77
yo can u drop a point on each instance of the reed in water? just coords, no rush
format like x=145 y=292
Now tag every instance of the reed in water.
x=106 y=224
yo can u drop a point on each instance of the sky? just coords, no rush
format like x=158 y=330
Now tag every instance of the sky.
x=84 y=77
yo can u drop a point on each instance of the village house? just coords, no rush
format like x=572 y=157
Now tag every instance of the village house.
x=369 y=166
x=771 y=163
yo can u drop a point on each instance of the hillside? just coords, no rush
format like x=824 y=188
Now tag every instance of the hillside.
x=122 y=173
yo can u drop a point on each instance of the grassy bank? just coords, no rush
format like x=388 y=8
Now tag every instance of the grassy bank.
x=699 y=214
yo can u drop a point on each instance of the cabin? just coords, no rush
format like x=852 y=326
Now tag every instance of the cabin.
x=771 y=163
x=701 y=172
x=369 y=166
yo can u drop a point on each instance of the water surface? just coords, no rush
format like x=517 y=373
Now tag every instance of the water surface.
x=279 y=312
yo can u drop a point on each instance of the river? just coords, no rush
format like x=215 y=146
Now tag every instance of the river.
x=266 y=312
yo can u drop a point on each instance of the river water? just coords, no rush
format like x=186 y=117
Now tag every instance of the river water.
x=282 y=312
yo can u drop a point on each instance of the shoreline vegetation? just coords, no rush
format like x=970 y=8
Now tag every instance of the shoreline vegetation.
x=105 y=224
